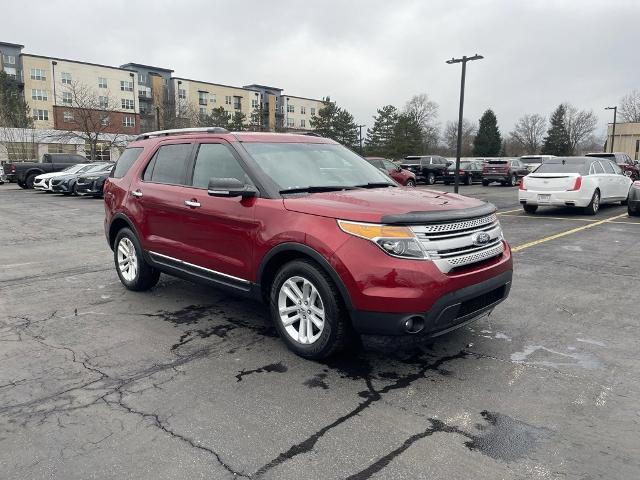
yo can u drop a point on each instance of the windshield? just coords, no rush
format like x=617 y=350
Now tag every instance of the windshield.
x=74 y=168
x=304 y=165
x=411 y=161
x=567 y=167
x=94 y=168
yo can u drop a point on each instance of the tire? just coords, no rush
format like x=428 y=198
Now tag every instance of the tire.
x=485 y=183
x=594 y=205
x=410 y=183
x=22 y=185
x=447 y=183
x=309 y=278
x=74 y=190
x=530 y=208
x=631 y=212
x=144 y=276
x=467 y=180
x=431 y=178
x=30 y=180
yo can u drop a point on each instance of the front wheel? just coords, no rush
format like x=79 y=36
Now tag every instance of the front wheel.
x=307 y=309
x=30 y=180
x=485 y=183
x=431 y=178
x=410 y=183
x=22 y=185
x=513 y=180
x=134 y=272
x=594 y=206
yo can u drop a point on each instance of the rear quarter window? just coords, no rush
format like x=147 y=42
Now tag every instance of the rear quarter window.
x=126 y=160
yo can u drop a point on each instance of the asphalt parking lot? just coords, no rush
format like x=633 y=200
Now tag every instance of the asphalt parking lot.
x=187 y=382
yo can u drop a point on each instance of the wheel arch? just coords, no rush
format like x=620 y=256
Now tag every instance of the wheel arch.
x=286 y=252
x=118 y=222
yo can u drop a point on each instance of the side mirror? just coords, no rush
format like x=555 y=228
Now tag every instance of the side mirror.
x=230 y=187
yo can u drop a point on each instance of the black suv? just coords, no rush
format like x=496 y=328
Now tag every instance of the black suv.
x=427 y=168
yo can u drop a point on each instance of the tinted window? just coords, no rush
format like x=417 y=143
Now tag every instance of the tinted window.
x=216 y=160
x=608 y=167
x=597 y=168
x=411 y=161
x=125 y=161
x=567 y=167
x=168 y=164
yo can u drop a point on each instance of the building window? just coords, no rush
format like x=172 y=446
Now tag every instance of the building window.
x=105 y=121
x=103 y=152
x=254 y=103
x=144 y=92
x=67 y=98
x=126 y=86
x=302 y=123
x=291 y=108
x=182 y=93
x=212 y=98
x=40 y=114
x=103 y=102
x=202 y=98
x=291 y=122
x=127 y=104
x=22 y=150
x=203 y=110
x=303 y=110
x=9 y=59
x=10 y=72
x=61 y=148
x=142 y=78
x=38 y=74
x=128 y=121
x=227 y=100
x=313 y=112
x=37 y=94
x=66 y=78
x=67 y=116
x=237 y=103
x=102 y=82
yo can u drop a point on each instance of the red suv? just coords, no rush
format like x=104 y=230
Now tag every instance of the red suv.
x=399 y=174
x=326 y=239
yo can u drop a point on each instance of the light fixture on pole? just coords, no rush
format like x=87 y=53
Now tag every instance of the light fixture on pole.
x=613 y=133
x=464 y=61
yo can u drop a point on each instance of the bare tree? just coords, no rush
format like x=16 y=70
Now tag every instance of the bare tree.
x=89 y=117
x=425 y=112
x=629 y=109
x=450 y=137
x=529 y=132
x=580 y=125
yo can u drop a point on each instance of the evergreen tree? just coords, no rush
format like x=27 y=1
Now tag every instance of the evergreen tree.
x=344 y=128
x=503 y=149
x=14 y=111
x=380 y=136
x=557 y=140
x=237 y=122
x=488 y=140
x=219 y=118
x=322 y=123
x=407 y=137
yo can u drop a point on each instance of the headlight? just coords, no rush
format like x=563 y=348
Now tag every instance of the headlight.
x=398 y=242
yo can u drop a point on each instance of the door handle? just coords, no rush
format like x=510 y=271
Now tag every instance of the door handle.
x=136 y=193
x=192 y=203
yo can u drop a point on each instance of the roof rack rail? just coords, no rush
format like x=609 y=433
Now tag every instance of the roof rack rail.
x=181 y=131
x=312 y=134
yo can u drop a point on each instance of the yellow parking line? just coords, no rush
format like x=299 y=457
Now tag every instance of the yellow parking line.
x=510 y=211
x=524 y=246
x=540 y=217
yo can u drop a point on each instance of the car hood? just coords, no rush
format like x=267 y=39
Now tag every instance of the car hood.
x=68 y=176
x=97 y=175
x=389 y=205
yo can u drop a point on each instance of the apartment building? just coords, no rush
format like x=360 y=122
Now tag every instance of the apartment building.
x=10 y=59
x=299 y=111
x=627 y=139
x=154 y=94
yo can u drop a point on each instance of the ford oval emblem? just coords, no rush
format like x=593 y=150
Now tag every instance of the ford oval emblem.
x=481 y=238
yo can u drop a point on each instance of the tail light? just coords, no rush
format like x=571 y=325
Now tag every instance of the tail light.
x=461 y=171
x=636 y=184
x=13 y=168
x=522 y=184
x=577 y=185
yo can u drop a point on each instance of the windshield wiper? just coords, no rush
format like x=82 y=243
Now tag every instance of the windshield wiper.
x=376 y=185
x=317 y=188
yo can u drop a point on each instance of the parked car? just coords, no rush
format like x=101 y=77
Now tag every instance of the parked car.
x=92 y=183
x=584 y=182
x=399 y=174
x=43 y=182
x=534 y=161
x=25 y=173
x=2 y=177
x=470 y=171
x=67 y=184
x=631 y=168
x=329 y=242
x=427 y=169
x=506 y=171
x=633 y=205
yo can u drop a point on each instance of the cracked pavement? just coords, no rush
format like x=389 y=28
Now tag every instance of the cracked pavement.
x=186 y=381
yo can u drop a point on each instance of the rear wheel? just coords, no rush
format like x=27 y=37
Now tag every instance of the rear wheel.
x=485 y=183
x=467 y=180
x=513 y=181
x=594 y=206
x=134 y=272
x=307 y=309
x=22 y=185
x=410 y=183
x=30 y=180
x=530 y=208
x=632 y=212
x=431 y=178
x=75 y=189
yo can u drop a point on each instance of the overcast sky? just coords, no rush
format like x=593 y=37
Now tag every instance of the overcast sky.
x=364 y=54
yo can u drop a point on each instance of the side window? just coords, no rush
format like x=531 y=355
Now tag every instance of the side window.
x=376 y=163
x=596 y=168
x=216 y=160
x=390 y=165
x=617 y=170
x=608 y=167
x=128 y=157
x=168 y=164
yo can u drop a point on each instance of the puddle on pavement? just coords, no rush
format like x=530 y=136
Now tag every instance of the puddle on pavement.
x=546 y=357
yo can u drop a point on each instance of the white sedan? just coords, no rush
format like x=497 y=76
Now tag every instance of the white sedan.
x=574 y=182
x=43 y=182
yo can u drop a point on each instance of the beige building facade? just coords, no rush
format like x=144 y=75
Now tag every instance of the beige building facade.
x=627 y=139
x=298 y=111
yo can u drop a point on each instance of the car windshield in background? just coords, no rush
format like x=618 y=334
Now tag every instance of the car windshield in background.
x=315 y=166
x=96 y=168
x=567 y=167
x=531 y=160
x=463 y=165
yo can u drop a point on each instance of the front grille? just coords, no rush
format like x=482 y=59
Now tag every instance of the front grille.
x=478 y=303
x=455 y=244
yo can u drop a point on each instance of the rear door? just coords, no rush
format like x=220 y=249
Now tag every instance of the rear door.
x=611 y=180
x=602 y=180
x=621 y=182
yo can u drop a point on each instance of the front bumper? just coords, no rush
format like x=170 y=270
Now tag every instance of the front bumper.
x=60 y=188
x=450 y=311
x=577 y=198
x=44 y=185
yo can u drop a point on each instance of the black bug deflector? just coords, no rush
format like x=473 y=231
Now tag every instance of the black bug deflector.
x=439 y=216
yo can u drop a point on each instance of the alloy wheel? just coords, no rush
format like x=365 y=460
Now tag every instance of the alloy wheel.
x=301 y=310
x=127 y=259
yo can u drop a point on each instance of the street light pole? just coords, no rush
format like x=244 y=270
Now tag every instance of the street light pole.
x=360 y=137
x=464 y=61
x=613 y=133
